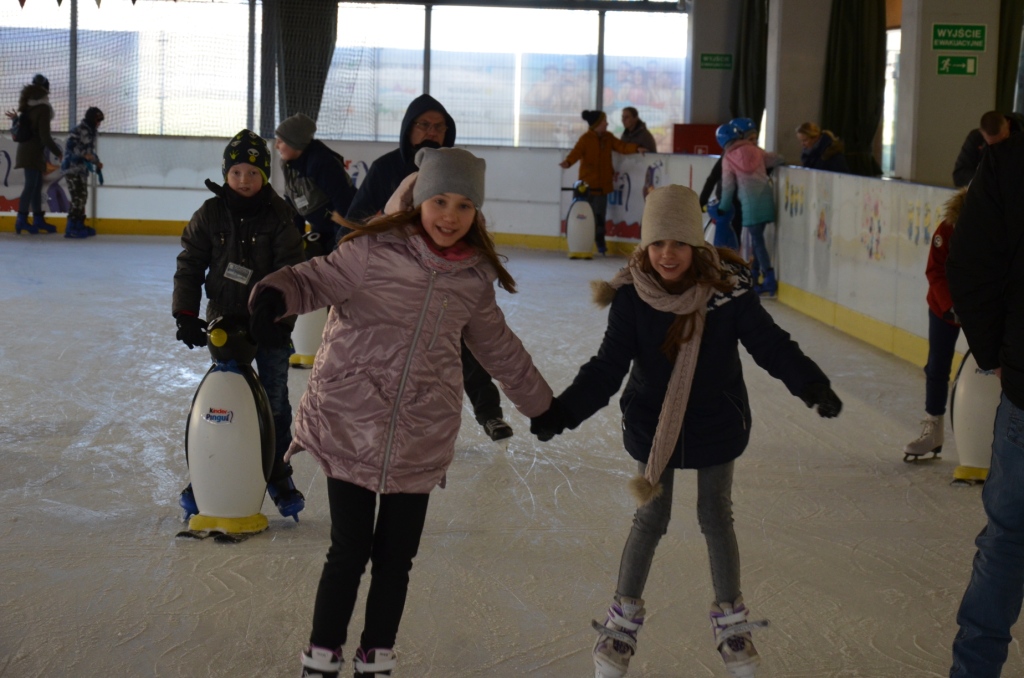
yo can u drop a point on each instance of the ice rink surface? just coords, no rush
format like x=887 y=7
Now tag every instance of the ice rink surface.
x=858 y=559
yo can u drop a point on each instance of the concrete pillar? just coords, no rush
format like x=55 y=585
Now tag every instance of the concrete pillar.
x=712 y=31
x=797 y=43
x=935 y=110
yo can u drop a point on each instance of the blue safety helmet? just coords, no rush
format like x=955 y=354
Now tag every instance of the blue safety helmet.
x=726 y=134
x=744 y=125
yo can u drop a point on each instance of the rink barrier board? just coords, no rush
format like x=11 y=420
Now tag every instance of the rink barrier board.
x=856 y=246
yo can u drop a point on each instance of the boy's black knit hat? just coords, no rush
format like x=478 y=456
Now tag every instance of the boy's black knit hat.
x=248 y=147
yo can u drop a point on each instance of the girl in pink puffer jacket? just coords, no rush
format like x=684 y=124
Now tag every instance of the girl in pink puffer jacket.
x=383 y=405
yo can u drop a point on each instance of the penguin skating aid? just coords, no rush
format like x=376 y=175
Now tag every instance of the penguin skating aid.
x=229 y=439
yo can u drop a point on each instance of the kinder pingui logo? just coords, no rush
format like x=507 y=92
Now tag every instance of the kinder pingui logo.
x=217 y=415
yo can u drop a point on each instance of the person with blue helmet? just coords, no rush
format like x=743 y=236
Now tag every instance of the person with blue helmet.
x=727 y=224
x=745 y=168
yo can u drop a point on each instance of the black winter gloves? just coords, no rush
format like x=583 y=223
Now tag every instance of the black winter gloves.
x=550 y=424
x=191 y=330
x=824 y=397
x=263 y=325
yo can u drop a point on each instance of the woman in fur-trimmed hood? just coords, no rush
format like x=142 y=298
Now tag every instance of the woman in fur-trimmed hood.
x=677 y=314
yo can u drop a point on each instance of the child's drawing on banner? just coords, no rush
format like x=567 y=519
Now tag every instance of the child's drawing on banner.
x=626 y=201
x=821 y=250
x=873 y=224
x=793 y=197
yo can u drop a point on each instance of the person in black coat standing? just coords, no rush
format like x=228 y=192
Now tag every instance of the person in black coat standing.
x=678 y=312
x=985 y=270
x=427 y=124
x=993 y=128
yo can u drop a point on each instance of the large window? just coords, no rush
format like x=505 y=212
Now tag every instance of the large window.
x=889 y=103
x=154 y=67
x=509 y=76
x=645 y=63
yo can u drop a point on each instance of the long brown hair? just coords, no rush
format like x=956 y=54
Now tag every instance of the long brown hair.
x=702 y=271
x=478 y=237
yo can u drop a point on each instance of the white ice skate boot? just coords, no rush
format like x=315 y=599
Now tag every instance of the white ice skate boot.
x=376 y=662
x=929 y=442
x=617 y=642
x=732 y=637
x=319 y=662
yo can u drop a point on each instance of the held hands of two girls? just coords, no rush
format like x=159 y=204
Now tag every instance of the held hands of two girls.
x=822 y=395
x=550 y=424
x=267 y=307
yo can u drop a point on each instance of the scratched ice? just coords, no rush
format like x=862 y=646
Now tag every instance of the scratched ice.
x=858 y=559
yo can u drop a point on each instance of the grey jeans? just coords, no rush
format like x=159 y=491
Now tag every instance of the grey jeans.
x=714 y=513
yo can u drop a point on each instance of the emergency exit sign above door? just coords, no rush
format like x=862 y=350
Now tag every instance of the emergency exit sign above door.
x=958 y=37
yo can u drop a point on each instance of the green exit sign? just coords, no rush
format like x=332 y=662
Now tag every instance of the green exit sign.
x=959 y=37
x=958 y=65
x=716 y=61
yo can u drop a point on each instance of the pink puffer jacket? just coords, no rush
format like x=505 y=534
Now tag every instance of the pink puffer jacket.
x=384 y=401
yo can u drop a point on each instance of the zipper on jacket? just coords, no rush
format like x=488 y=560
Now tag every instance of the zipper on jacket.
x=437 y=327
x=401 y=382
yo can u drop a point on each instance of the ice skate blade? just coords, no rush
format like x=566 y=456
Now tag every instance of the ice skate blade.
x=607 y=671
x=913 y=458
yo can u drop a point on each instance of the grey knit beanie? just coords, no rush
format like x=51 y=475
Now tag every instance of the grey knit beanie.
x=296 y=131
x=448 y=170
x=672 y=213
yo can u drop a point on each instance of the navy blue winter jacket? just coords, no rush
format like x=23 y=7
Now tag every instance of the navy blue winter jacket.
x=716 y=427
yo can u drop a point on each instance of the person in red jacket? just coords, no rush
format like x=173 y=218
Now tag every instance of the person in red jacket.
x=943 y=331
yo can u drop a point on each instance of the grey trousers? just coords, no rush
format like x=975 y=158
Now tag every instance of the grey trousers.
x=714 y=513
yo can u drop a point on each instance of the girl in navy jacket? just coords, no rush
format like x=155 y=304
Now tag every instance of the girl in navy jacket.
x=678 y=312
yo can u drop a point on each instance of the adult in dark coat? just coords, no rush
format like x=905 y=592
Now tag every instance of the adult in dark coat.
x=822 y=150
x=985 y=270
x=427 y=123
x=31 y=154
x=635 y=130
x=993 y=128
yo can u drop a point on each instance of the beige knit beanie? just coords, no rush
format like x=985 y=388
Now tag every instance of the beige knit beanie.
x=672 y=213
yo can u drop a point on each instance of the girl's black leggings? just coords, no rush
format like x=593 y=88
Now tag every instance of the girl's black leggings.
x=390 y=543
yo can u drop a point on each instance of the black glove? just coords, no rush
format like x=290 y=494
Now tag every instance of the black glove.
x=548 y=425
x=829 y=404
x=191 y=330
x=263 y=325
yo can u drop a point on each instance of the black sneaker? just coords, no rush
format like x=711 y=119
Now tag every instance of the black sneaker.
x=497 y=429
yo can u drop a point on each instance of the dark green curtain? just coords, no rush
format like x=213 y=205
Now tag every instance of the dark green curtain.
x=750 y=71
x=851 y=104
x=1011 y=20
x=308 y=33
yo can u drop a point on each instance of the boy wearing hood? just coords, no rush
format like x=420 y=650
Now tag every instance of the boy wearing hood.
x=428 y=125
x=35 y=103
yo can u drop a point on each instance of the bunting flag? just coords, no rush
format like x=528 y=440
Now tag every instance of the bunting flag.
x=22 y=3
x=58 y=3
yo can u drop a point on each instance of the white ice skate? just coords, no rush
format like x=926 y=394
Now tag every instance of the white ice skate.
x=319 y=662
x=617 y=642
x=929 y=442
x=732 y=637
x=376 y=662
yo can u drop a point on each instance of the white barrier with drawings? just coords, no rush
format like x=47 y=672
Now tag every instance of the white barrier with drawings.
x=860 y=243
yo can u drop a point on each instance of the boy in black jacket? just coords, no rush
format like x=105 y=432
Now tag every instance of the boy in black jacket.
x=232 y=242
